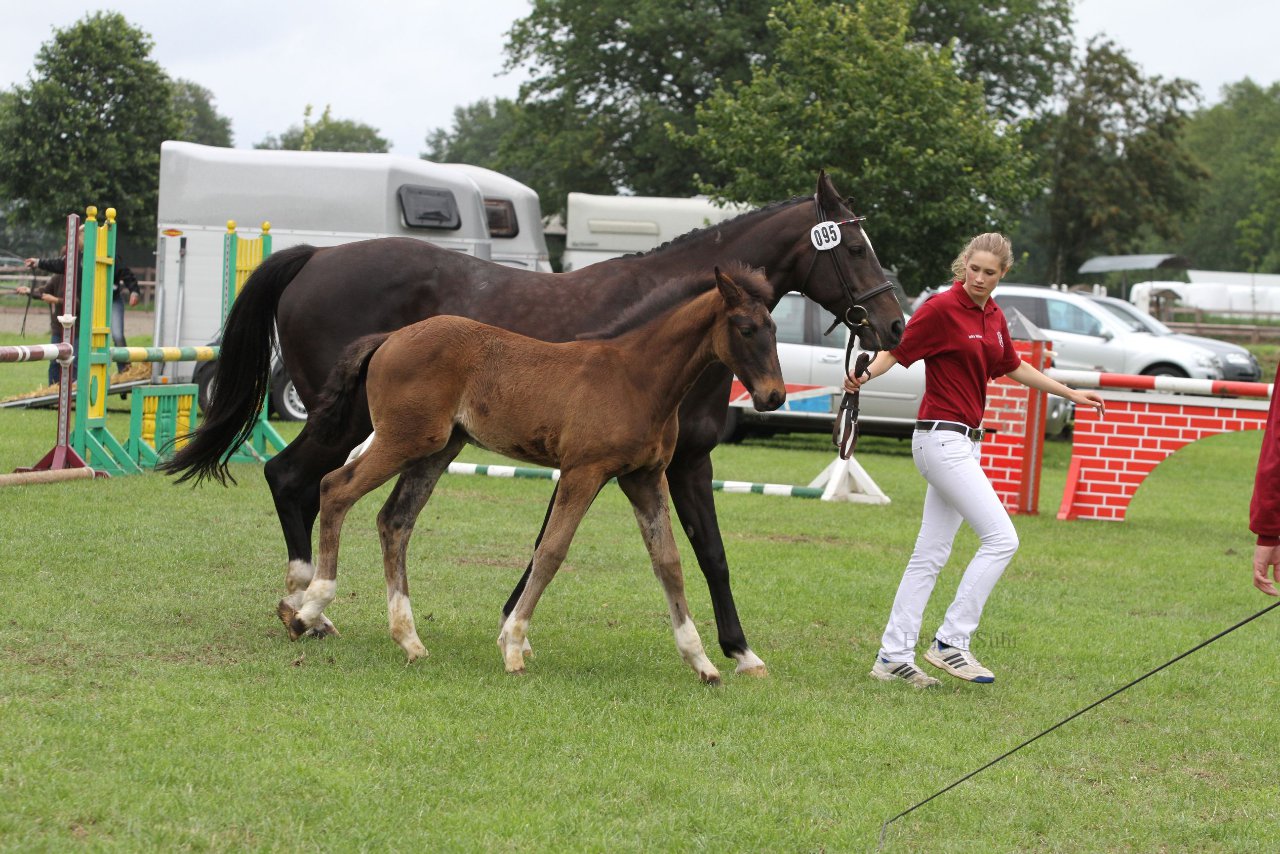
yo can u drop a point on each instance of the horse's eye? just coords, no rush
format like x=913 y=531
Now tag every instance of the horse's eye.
x=747 y=331
x=857 y=250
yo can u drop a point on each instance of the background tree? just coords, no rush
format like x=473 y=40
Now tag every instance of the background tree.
x=1121 y=177
x=327 y=134
x=1235 y=140
x=201 y=121
x=892 y=120
x=612 y=74
x=87 y=127
x=1017 y=49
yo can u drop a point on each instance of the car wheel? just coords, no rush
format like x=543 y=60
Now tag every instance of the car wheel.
x=1164 y=371
x=203 y=378
x=285 y=400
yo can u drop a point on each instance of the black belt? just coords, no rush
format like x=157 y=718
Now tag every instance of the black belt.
x=974 y=433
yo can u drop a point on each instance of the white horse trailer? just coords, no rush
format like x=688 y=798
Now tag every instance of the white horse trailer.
x=604 y=227
x=515 y=219
x=320 y=198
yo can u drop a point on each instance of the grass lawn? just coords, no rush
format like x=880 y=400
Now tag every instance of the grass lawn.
x=150 y=700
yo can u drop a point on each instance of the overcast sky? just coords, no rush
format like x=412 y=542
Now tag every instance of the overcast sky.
x=402 y=66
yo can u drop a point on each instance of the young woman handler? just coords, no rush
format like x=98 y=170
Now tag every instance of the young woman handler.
x=963 y=338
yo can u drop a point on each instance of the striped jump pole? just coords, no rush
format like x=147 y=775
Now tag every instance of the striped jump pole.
x=732 y=486
x=163 y=354
x=37 y=353
x=1142 y=382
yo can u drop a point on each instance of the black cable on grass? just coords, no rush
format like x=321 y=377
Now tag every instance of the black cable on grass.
x=884 y=827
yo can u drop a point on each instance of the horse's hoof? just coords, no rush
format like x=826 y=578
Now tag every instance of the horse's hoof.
x=759 y=671
x=323 y=629
x=289 y=616
x=712 y=679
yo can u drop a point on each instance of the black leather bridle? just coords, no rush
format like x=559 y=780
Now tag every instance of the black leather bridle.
x=844 y=431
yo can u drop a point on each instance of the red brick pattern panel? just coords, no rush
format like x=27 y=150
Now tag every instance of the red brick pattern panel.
x=1113 y=454
x=1012 y=456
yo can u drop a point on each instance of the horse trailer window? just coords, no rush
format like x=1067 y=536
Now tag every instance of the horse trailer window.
x=428 y=207
x=502 y=217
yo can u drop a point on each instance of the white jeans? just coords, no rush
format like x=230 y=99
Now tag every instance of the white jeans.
x=958 y=491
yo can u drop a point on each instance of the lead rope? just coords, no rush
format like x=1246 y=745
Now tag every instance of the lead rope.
x=844 y=432
x=884 y=827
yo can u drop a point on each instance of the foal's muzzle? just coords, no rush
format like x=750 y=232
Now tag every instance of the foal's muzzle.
x=768 y=399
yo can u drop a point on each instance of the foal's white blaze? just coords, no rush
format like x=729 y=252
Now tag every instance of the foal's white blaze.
x=400 y=615
x=689 y=643
x=319 y=594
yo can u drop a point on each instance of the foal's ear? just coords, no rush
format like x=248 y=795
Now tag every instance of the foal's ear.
x=730 y=291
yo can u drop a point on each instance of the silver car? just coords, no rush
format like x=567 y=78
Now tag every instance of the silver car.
x=1087 y=336
x=1238 y=364
x=812 y=363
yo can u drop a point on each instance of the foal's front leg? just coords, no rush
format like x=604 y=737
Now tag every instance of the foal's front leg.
x=647 y=491
x=573 y=496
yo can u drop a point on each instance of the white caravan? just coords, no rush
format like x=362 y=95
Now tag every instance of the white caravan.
x=320 y=198
x=604 y=227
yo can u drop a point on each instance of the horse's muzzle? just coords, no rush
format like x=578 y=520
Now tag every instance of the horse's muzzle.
x=767 y=400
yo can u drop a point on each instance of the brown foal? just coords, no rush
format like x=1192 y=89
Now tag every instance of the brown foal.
x=598 y=409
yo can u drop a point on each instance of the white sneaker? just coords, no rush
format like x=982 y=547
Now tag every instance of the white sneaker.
x=960 y=663
x=888 y=671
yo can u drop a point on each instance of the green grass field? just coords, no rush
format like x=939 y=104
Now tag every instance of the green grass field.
x=150 y=700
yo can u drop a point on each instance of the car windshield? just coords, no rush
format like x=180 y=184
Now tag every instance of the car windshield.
x=1136 y=320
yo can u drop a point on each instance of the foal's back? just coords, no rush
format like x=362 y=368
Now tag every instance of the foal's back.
x=524 y=398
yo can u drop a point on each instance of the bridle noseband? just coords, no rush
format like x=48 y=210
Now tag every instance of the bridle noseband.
x=844 y=432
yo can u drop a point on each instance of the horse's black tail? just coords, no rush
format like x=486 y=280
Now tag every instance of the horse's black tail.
x=327 y=422
x=241 y=375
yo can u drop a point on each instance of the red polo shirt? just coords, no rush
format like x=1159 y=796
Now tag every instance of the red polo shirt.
x=963 y=346
x=1264 y=510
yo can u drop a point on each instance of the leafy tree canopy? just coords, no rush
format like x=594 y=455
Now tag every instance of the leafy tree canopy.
x=611 y=74
x=1017 y=49
x=87 y=127
x=543 y=145
x=201 y=121
x=1235 y=139
x=891 y=120
x=327 y=134
x=1121 y=174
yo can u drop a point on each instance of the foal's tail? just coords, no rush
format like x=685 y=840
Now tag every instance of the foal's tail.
x=242 y=371
x=328 y=421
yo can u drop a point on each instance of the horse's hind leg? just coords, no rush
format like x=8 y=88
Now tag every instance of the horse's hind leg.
x=339 y=491
x=647 y=491
x=395 y=527
x=573 y=496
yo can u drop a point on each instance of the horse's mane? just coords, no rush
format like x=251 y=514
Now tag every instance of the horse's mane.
x=678 y=291
x=695 y=233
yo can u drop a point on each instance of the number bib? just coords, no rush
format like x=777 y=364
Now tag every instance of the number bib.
x=825 y=235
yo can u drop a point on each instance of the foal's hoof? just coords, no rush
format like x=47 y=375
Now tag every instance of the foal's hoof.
x=712 y=678
x=749 y=664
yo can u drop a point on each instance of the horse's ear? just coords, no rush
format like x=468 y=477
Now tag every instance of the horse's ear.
x=730 y=291
x=827 y=193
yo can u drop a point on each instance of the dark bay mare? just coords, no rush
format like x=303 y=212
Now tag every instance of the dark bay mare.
x=321 y=300
x=597 y=409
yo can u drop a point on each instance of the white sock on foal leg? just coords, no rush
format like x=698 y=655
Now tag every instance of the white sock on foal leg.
x=320 y=592
x=403 y=630
x=689 y=643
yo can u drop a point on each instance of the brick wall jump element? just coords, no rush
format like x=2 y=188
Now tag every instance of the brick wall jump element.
x=1012 y=456
x=1112 y=455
